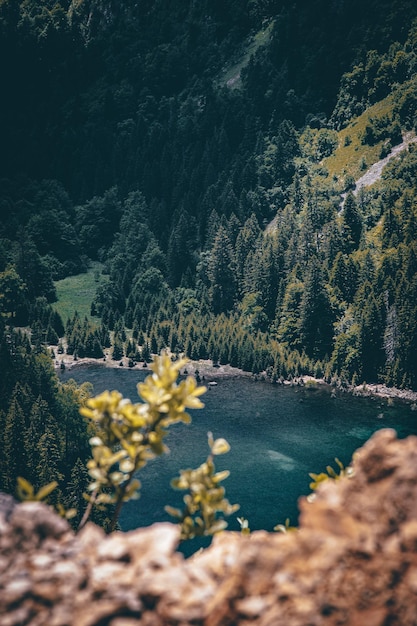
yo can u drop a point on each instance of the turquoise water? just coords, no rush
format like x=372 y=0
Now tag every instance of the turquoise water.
x=277 y=436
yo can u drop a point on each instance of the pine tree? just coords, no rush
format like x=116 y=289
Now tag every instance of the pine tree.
x=38 y=418
x=146 y=352
x=287 y=149
x=15 y=453
x=118 y=351
x=75 y=488
x=181 y=247
x=343 y=276
x=287 y=319
x=245 y=244
x=13 y=295
x=371 y=339
x=222 y=273
x=92 y=346
x=50 y=460
x=316 y=315
x=351 y=224
x=391 y=229
x=73 y=427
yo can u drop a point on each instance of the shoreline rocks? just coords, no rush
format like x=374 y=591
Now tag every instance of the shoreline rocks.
x=206 y=372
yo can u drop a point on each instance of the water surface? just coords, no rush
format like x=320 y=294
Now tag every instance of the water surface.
x=277 y=436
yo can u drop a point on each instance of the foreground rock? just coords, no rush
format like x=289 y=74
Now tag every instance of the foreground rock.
x=353 y=562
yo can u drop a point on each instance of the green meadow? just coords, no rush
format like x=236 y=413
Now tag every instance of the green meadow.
x=75 y=293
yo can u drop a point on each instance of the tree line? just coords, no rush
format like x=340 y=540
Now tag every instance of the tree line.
x=212 y=208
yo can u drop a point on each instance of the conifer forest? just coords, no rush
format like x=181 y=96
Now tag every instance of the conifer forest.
x=219 y=164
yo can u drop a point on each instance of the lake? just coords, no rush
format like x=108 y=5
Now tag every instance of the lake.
x=277 y=436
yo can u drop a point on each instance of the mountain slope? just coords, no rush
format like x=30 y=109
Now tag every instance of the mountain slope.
x=125 y=145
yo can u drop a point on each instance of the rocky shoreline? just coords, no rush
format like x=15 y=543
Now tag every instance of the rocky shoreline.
x=206 y=372
x=382 y=391
x=204 y=369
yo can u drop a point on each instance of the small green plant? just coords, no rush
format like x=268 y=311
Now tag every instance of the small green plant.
x=285 y=528
x=244 y=525
x=25 y=491
x=362 y=164
x=205 y=499
x=330 y=474
x=128 y=435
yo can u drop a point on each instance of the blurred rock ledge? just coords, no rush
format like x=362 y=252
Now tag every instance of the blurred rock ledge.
x=353 y=562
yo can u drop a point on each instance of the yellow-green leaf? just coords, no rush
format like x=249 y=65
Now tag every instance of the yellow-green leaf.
x=177 y=513
x=25 y=488
x=46 y=490
x=220 y=446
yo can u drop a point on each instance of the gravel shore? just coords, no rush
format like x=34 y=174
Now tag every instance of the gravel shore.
x=206 y=372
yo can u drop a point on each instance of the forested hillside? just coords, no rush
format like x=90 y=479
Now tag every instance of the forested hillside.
x=206 y=154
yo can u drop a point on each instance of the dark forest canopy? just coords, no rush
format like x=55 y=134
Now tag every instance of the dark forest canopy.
x=99 y=93
x=199 y=151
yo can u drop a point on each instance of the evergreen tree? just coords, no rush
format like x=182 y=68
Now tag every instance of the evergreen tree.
x=316 y=315
x=288 y=318
x=75 y=488
x=72 y=426
x=13 y=296
x=15 y=452
x=50 y=460
x=118 y=350
x=222 y=273
x=34 y=271
x=92 y=346
x=351 y=224
x=343 y=276
x=245 y=244
x=287 y=149
x=146 y=352
x=51 y=336
x=371 y=339
x=182 y=244
x=38 y=419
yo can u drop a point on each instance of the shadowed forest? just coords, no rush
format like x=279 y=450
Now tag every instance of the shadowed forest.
x=201 y=159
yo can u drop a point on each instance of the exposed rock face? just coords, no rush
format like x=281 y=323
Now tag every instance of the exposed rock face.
x=353 y=562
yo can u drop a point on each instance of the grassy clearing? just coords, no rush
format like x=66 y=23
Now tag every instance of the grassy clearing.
x=231 y=76
x=351 y=156
x=75 y=293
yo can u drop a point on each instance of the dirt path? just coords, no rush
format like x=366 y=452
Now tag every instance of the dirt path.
x=375 y=171
x=369 y=178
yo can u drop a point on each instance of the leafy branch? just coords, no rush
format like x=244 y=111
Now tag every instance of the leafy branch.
x=330 y=474
x=128 y=435
x=205 y=499
x=25 y=491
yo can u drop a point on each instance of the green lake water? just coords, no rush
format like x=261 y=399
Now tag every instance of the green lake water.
x=277 y=436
